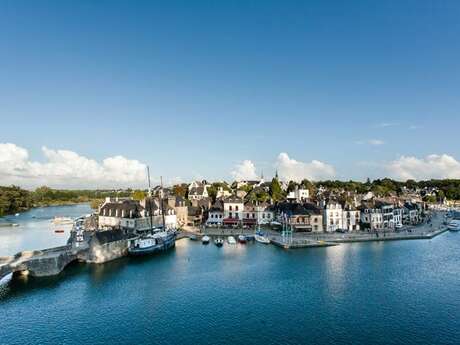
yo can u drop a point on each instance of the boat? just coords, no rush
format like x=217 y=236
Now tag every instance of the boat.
x=454 y=225
x=261 y=237
x=152 y=240
x=16 y=215
x=205 y=239
x=231 y=240
x=62 y=220
x=242 y=239
x=152 y=243
x=219 y=242
x=249 y=238
x=192 y=237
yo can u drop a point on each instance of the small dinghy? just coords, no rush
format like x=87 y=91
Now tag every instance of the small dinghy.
x=219 y=242
x=205 y=239
x=242 y=239
x=231 y=240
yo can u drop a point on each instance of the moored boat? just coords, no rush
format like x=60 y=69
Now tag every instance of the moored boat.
x=219 y=242
x=249 y=238
x=231 y=240
x=205 y=239
x=62 y=220
x=192 y=237
x=261 y=237
x=242 y=239
x=151 y=243
x=454 y=225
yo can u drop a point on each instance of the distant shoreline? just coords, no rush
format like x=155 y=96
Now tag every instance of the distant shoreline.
x=54 y=204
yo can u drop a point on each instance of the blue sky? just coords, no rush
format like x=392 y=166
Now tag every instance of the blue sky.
x=193 y=88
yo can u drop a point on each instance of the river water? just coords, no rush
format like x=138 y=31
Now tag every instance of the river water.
x=36 y=230
x=405 y=292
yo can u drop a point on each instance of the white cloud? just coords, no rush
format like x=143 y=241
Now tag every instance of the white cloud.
x=373 y=142
x=245 y=170
x=291 y=169
x=376 y=142
x=432 y=166
x=386 y=124
x=67 y=169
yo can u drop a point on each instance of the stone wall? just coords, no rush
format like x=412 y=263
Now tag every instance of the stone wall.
x=100 y=253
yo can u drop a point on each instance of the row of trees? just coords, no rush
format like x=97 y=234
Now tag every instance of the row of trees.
x=448 y=188
x=14 y=199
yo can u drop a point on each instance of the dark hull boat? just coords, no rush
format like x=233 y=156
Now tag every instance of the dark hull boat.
x=150 y=244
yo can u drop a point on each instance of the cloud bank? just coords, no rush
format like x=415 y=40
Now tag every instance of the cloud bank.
x=291 y=169
x=245 y=170
x=67 y=169
x=432 y=166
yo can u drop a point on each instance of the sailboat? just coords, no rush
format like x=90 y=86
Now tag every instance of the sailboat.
x=152 y=241
x=260 y=236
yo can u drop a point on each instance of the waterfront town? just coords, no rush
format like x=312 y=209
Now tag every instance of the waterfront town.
x=247 y=204
x=288 y=215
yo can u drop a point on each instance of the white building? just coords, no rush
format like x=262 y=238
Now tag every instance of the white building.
x=371 y=216
x=198 y=190
x=299 y=194
x=351 y=219
x=233 y=209
x=387 y=214
x=216 y=214
x=398 y=213
x=333 y=216
x=222 y=193
x=257 y=213
x=112 y=211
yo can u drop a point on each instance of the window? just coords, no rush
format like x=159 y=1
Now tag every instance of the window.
x=230 y=207
x=247 y=215
x=236 y=208
x=230 y=214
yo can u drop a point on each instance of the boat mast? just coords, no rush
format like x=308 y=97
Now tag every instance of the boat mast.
x=150 y=200
x=161 y=203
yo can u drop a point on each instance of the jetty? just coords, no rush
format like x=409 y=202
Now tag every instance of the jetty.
x=300 y=243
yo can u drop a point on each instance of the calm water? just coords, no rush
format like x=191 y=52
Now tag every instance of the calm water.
x=370 y=293
x=35 y=230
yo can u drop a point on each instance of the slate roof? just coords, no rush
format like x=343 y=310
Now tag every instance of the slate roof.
x=107 y=236
x=125 y=205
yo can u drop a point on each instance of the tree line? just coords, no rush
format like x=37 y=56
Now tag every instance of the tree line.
x=14 y=199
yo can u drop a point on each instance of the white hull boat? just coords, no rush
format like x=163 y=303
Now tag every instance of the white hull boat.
x=454 y=225
x=261 y=238
x=231 y=240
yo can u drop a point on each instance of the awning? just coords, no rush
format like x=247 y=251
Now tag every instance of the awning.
x=231 y=221
x=249 y=221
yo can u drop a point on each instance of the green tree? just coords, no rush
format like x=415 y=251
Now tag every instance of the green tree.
x=138 y=195
x=275 y=190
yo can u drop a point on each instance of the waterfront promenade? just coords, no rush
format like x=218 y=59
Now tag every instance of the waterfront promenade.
x=422 y=231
